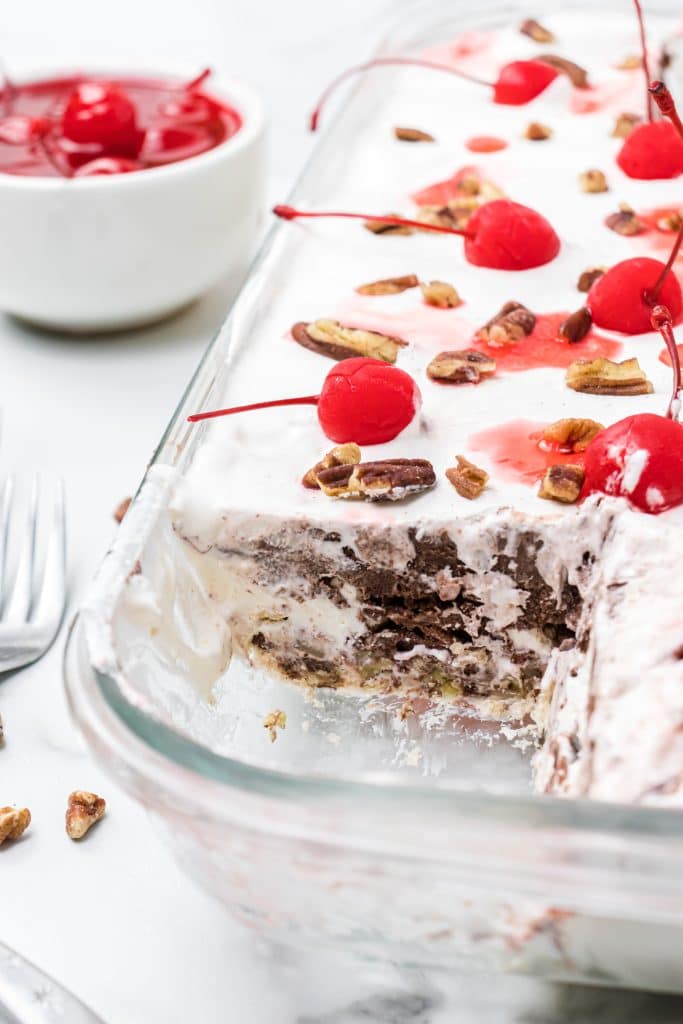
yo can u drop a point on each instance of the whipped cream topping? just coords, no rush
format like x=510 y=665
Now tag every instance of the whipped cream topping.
x=255 y=461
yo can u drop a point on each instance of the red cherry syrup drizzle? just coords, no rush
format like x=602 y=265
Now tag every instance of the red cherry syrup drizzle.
x=485 y=144
x=519 y=451
x=544 y=347
x=78 y=126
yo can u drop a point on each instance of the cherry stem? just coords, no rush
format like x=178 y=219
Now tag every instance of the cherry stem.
x=666 y=104
x=378 y=62
x=290 y=213
x=652 y=294
x=198 y=80
x=661 y=321
x=306 y=400
x=643 y=49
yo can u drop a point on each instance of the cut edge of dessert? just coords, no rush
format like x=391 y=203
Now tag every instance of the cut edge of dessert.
x=502 y=613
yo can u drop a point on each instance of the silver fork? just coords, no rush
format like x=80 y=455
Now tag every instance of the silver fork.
x=31 y=608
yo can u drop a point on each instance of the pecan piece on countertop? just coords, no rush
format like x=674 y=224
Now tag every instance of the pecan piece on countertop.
x=83 y=810
x=536 y=31
x=389 y=285
x=625 y=221
x=588 y=277
x=386 y=480
x=412 y=135
x=13 y=822
x=343 y=455
x=577 y=75
x=469 y=480
x=466 y=366
x=577 y=325
x=562 y=483
x=624 y=125
x=332 y=339
x=121 y=509
x=512 y=322
x=382 y=227
x=593 y=181
x=604 y=377
x=572 y=435
x=273 y=721
x=537 y=132
x=441 y=294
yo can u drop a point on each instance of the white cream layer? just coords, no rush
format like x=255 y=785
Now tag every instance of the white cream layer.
x=254 y=462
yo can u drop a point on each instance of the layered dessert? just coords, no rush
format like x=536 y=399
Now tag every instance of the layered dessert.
x=476 y=495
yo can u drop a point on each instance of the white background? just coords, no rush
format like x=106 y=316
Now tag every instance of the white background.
x=112 y=917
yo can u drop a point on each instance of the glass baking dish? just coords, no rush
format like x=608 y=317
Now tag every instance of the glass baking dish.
x=419 y=843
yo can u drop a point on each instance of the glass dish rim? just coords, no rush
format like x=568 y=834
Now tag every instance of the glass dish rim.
x=537 y=811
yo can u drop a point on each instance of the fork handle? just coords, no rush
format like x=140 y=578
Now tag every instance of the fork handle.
x=28 y=996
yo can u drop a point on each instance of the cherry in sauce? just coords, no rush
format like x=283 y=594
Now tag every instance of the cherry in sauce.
x=83 y=127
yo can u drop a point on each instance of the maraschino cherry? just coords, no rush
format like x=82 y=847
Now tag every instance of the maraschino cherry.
x=622 y=298
x=517 y=83
x=97 y=113
x=653 y=149
x=362 y=400
x=640 y=458
x=501 y=235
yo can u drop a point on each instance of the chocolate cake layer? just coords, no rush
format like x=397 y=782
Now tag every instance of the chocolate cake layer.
x=471 y=609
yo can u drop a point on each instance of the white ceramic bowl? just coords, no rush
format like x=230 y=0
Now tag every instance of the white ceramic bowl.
x=109 y=252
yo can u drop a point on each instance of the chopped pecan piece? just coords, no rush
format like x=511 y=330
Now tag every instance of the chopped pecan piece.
x=469 y=480
x=624 y=125
x=121 y=509
x=625 y=221
x=343 y=455
x=451 y=216
x=388 y=479
x=604 y=377
x=382 y=227
x=412 y=135
x=389 y=285
x=83 y=811
x=577 y=75
x=670 y=221
x=576 y=326
x=537 y=132
x=562 y=483
x=330 y=338
x=441 y=294
x=593 y=181
x=464 y=367
x=588 y=278
x=630 y=63
x=536 y=31
x=13 y=822
x=273 y=721
x=512 y=322
x=572 y=435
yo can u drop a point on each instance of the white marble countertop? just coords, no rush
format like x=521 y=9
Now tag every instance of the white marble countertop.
x=113 y=918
